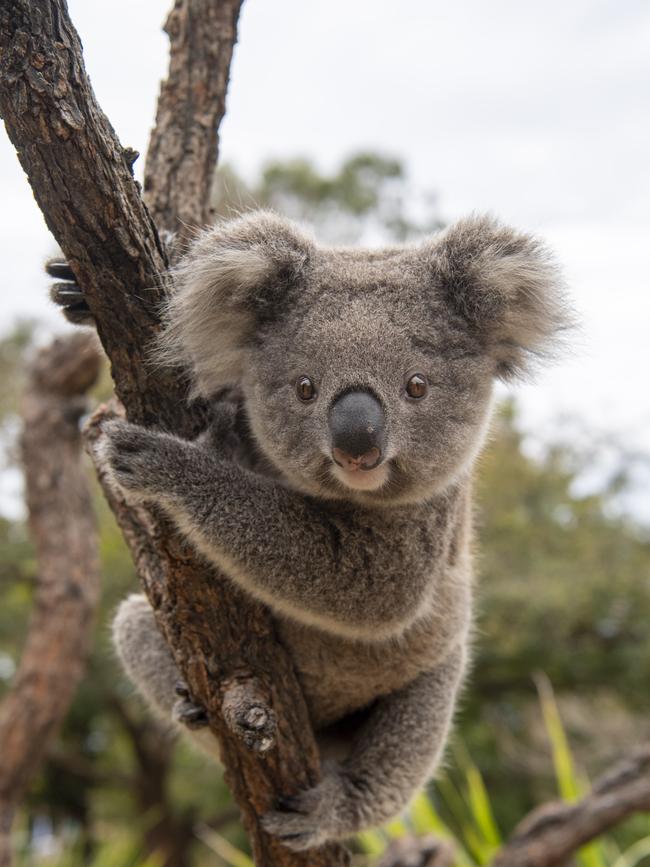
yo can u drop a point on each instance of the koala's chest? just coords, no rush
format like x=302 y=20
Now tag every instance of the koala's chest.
x=340 y=676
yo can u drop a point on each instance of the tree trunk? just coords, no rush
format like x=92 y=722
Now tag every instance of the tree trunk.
x=64 y=533
x=81 y=176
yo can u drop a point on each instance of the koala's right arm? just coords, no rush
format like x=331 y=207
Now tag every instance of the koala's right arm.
x=351 y=576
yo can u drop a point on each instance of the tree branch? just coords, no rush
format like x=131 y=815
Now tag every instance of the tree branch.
x=82 y=181
x=553 y=832
x=184 y=142
x=63 y=528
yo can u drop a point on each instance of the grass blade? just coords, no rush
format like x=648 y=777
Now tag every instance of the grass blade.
x=233 y=856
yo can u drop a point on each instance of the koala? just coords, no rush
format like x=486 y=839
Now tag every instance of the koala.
x=351 y=393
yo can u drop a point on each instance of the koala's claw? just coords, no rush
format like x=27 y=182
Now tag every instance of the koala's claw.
x=193 y=716
x=60 y=270
x=181 y=689
x=68 y=295
x=291 y=803
x=296 y=831
x=186 y=710
x=312 y=817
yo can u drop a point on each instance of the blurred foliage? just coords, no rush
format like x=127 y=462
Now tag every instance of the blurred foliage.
x=366 y=199
x=564 y=588
x=461 y=810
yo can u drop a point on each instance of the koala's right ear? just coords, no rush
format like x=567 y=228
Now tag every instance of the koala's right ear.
x=506 y=285
x=236 y=276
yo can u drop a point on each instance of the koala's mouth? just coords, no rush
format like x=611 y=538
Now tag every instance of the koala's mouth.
x=358 y=478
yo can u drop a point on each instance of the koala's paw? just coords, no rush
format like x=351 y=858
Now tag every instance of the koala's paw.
x=186 y=710
x=315 y=816
x=142 y=464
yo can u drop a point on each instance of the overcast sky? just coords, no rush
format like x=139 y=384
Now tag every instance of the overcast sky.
x=538 y=112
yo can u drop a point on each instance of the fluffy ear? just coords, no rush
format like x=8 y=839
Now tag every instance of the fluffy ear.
x=507 y=286
x=235 y=276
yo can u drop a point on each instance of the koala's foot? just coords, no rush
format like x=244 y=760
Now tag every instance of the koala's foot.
x=316 y=816
x=192 y=718
x=67 y=294
x=186 y=711
x=254 y=723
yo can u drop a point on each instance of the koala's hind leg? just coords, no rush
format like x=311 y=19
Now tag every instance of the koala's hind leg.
x=150 y=666
x=393 y=754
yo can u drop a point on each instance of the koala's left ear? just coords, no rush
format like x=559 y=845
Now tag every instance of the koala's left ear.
x=507 y=286
x=236 y=276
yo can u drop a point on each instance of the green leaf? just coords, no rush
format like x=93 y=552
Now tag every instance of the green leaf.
x=568 y=783
x=636 y=853
x=481 y=808
x=372 y=842
x=396 y=828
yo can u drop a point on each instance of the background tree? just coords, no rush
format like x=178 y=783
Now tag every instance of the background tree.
x=366 y=199
x=67 y=588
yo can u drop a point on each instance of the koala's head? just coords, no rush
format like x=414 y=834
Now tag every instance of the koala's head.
x=367 y=374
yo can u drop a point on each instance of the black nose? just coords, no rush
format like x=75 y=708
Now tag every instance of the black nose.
x=357 y=425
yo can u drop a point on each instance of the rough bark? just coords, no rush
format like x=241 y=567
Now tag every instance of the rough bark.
x=552 y=833
x=63 y=529
x=81 y=178
x=183 y=146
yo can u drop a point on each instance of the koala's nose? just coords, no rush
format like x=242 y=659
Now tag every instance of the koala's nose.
x=357 y=423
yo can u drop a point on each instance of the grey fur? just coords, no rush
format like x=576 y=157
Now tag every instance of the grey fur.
x=369 y=577
x=146 y=659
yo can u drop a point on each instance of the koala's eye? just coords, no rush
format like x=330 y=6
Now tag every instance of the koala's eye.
x=305 y=389
x=416 y=387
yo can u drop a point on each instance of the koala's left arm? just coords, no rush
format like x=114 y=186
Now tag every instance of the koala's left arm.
x=278 y=544
x=394 y=754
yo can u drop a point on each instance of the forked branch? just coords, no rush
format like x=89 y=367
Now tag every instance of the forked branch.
x=81 y=177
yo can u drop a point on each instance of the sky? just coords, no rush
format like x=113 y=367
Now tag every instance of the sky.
x=536 y=112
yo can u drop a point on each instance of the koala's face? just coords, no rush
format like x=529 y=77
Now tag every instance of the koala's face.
x=367 y=375
x=362 y=391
